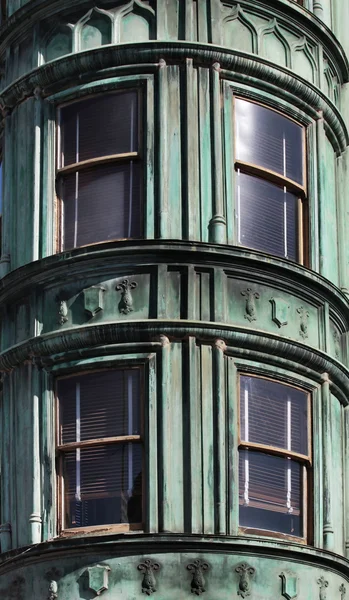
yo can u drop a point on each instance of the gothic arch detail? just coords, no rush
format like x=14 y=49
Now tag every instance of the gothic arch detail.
x=135 y=21
x=94 y=29
x=277 y=47
x=303 y=61
x=237 y=26
x=58 y=42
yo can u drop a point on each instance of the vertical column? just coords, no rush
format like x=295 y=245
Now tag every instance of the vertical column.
x=191 y=134
x=195 y=473
x=37 y=173
x=151 y=475
x=6 y=199
x=48 y=237
x=163 y=150
x=35 y=520
x=328 y=532
x=346 y=478
x=218 y=234
x=220 y=437
x=322 y=9
x=47 y=452
x=6 y=483
x=233 y=455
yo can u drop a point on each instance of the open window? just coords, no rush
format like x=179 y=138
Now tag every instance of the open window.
x=99 y=170
x=100 y=449
x=274 y=458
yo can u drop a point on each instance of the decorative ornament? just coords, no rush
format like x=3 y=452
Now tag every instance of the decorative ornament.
x=251 y=297
x=149 y=582
x=343 y=591
x=62 y=312
x=337 y=343
x=98 y=578
x=280 y=309
x=245 y=574
x=197 y=568
x=289 y=585
x=323 y=585
x=93 y=299
x=304 y=316
x=52 y=590
x=126 y=302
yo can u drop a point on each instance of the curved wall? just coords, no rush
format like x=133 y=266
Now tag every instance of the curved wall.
x=204 y=310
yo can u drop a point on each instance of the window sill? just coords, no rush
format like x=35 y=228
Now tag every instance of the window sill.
x=102 y=530
x=264 y=533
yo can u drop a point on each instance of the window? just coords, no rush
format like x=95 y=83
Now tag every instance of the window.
x=274 y=457
x=99 y=174
x=100 y=449
x=270 y=176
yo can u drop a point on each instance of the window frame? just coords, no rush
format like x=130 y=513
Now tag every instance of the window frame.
x=307 y=462
x=270 y=176
x=60 y=449
x=90 y=164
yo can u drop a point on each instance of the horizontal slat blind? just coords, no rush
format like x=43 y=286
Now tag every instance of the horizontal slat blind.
x=103 y=485
x=273 y=414
x=267 y=216
x=109 y=405
x=99 y=126
x=269 y=140
x=270 y=492
x=102 y=204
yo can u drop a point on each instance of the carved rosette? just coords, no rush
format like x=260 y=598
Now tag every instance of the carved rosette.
x=251 y=297
x=303 y=325
x=323 y=584
x=197 y=568
x=149 y=582
x=246 y=573
x=126 y=302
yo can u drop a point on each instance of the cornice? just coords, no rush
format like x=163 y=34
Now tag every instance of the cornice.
x=37 y=10
x=104 y=62
x=246 y=263
x=265 y=347
x=144 y=544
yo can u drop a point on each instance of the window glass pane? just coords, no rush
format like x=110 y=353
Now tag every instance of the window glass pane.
x=269 y=140
x=103 y=485
x=101 y=204
x=267 y=217
x=99 y=126
x=273 y=414
x=270 y=493
x=98 y=405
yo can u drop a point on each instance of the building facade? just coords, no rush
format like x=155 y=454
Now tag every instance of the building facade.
x=174 y=299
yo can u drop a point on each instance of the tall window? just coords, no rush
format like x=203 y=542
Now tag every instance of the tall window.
x=274 y=457
x=100 y=448
x=270 y=179
x=98 y=176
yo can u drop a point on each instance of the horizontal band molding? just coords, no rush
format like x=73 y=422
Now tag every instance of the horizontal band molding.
x=272 y=350
x=47 y=79
x=119 y=545
x=128 y=254
x=36 y=11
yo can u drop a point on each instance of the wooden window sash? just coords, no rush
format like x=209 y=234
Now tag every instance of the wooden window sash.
x=273 y=450
x=101 y=160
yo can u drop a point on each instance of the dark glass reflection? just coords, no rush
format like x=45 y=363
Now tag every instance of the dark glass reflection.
x=270 y=493
x=103 y=485
x=267 y=217
x=269 y=140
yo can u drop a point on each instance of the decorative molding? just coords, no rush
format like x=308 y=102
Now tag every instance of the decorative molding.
x=289 y=585
x=303 y=326
x=323 y=584
x=62 y=312
x=337 y=343
x=238 y=14
x=280 y=308
x=98 y=577
x=272 y=28
x=93 y=299
x=251 y=297
x=148 y=567
x=126 y=302
x=52 y=590
x=246 y=573
x=343 y=591
x=242 y=66
x=197 y=568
